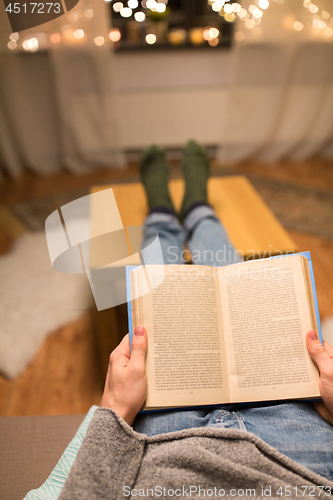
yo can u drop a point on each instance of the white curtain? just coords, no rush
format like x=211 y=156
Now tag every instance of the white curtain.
x=58 y=106
x=280 y=89
x=87 y=107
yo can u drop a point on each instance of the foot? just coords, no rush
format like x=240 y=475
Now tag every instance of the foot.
x=196 y=172
x=154 y=176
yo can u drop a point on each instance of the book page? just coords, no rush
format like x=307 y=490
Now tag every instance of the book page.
x=266 y=316
x=185 y=360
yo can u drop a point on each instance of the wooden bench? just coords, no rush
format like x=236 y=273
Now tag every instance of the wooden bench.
x=250 y=224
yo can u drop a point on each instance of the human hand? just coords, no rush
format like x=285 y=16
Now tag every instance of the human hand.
x=322 y=355
x=125 y=388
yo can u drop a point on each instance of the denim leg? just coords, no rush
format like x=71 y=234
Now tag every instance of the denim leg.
x=296 y=430
x=171 y=237
x=160 y=422
x=208 y=241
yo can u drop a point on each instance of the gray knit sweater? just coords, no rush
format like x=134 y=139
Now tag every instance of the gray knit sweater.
x=114 y=461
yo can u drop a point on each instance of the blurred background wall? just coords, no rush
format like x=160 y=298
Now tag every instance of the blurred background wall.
x=69 y=100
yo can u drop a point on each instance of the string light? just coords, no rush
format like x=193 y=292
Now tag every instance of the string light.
x=213 y=42
x=140 y=16
x=230 y=17
x=150 y=38
x=64 y=28
x=318 y=23
x=79 y=34
x=151 y=4
x=177 y=36
x=298 y=26
x=160 y=7
x=88 y=13
x=118 y=6
x=55 y=38
x=73 y=17
x=257 y=13
x=243 y=13
x=249 y=24
x=14 y=37
x=313 y=8
x=99 y=40
x=224 y=8
x=126 y=12
x=115 y=35
x=263 y=4
x=239 y=36
x=196 y=36
x=218 y=5
x=206 y=34
x=31 y=44
x=213 y=32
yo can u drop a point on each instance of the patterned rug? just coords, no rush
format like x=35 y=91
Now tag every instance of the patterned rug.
x=303 y=209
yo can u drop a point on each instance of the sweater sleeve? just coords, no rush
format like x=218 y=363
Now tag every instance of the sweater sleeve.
x=108 y=460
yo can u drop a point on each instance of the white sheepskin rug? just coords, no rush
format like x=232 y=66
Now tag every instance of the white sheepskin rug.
x=327 y=330
x=35 y=300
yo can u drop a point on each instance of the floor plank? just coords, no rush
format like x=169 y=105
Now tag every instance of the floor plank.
x=65 y=377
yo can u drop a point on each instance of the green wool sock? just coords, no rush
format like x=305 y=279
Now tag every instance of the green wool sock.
x=155 y=175
x=196 y=172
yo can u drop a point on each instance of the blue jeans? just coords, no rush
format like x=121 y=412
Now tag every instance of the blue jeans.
x=295 y=429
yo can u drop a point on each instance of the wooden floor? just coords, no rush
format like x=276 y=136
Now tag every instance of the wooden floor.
x=66 y=376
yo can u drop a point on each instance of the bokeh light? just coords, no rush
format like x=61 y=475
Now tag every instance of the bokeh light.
x=115 y=35
x=79 y=34
x=140 y=16
x=55 y=38
x=298 y=26
x=150 y=38
x=99 y=40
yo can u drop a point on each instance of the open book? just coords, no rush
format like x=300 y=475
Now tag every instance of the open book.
x=226 y=335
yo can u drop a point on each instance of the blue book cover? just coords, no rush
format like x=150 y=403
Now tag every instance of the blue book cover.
x=129 y=301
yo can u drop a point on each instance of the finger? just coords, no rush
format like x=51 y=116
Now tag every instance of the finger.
x=139 y=348
x=328 y=349
x=318 y=353
x=123 y=349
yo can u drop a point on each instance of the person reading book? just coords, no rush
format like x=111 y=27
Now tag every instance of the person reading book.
x=274 y=449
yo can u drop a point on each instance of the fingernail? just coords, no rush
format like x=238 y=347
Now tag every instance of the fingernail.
x=313 y=335
x=139 y=331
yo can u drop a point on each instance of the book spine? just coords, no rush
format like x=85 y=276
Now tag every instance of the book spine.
x=307 y=255
x=129 y=301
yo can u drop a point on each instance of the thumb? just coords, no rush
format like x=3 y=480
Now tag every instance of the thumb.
x=139 y=347
x=317 y=352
